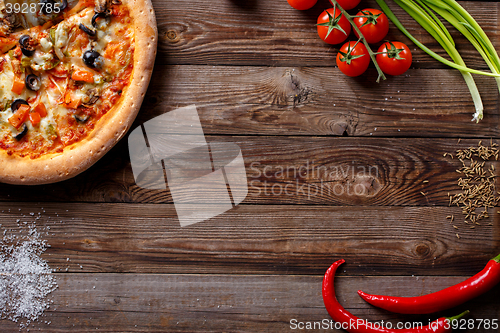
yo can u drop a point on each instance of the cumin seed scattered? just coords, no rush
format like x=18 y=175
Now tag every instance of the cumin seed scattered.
x=477 y=182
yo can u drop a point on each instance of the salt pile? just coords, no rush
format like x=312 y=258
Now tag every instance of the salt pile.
x=25 y=278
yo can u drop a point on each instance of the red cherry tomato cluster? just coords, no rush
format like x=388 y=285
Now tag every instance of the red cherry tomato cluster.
x=393 y=58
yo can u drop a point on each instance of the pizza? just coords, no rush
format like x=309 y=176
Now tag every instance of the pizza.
x=72 y=79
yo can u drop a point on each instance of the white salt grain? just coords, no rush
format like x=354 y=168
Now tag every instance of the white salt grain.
x=25 y=278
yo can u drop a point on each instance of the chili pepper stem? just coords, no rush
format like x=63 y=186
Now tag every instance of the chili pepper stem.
x=381 y=74
x=497 y=258
x=466 y=312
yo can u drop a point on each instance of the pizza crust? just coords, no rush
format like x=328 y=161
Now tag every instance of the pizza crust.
x=79 y=156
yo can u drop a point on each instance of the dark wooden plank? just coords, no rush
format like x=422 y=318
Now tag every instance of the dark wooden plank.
x=273 y=33
x=291 y=170
x=323 y=101
x=253 y=239
x=221 y=303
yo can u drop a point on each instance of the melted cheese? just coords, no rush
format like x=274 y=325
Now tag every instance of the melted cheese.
x=6 y=79
x=69 y=45
x=46 y=44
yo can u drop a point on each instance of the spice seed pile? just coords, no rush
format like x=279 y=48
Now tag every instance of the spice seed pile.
x=477 y=183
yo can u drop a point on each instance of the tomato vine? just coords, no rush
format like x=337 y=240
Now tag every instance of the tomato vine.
x=372 y=54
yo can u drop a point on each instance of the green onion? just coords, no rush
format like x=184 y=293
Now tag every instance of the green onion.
x=458 y=17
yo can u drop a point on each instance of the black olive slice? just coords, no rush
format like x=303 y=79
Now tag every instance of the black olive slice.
x=23 y=40
x=88 y=31
x=64 y=5
x=17 y=103
x=33 y=82
x=27 y=53
x=81 y=119
x=96 y=16
x=92 y=59
x=26 y=48
x=21 y=134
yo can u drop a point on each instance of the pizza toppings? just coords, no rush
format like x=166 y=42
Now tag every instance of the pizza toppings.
x=21 y=134
x=88 y=31
x=9 y=22
x=33 y=82
x=83 y=76
x=63 y=77
x=63 y=6
x=81 y=118
x=102 y=6
x=35 y=118
x=96 y=16
x=17 y=104
x=20 y=115
x=17 y=85
x=92 y=59
x=27 y=45
x=40 y=109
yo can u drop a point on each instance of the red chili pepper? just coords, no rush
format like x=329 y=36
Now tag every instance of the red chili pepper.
x=353 y=324
x=443 y=299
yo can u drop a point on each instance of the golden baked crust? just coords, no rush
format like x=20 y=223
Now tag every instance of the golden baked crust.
x=109 y=129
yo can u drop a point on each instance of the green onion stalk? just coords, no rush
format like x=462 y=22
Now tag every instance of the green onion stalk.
x=423 y=11
x=457 y=16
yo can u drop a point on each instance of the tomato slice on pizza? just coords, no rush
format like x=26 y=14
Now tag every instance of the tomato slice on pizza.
x=72 y=79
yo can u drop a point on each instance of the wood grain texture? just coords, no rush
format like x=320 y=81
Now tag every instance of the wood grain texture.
x=262 y=79
x=322 y=101
x=254 y=239
x=221 y=303
x=292 y=170
x=272 y=33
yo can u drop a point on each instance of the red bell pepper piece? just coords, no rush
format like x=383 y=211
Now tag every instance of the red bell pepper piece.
x=443 y=299
x=353 y=324
x=20 y=116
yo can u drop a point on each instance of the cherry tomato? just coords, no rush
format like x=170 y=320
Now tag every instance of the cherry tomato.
x=333 y=29
x=395 y=59
x=374 y=25
x=302 y=4
x=348 y=4
x=353 y=58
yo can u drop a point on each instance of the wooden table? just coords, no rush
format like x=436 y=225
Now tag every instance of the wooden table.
x=262 y=79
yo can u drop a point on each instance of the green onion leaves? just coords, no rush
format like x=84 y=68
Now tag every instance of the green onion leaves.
x=424 y=12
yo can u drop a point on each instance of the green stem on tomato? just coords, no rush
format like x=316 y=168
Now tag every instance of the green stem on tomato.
x=381 y=74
